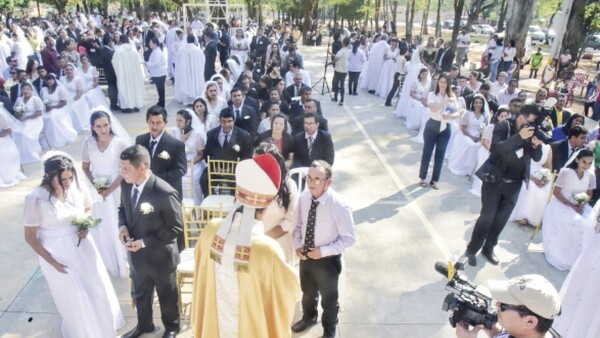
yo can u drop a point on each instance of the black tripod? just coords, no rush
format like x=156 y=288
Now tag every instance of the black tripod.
x=324 y=86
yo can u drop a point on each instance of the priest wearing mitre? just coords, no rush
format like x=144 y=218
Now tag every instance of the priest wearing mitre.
x=242 y=285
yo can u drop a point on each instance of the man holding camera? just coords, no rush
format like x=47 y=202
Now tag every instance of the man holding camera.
x=514 y=145
x=527 y=306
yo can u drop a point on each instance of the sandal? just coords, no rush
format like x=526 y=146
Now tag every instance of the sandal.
x=434 y=185
x=423 y=184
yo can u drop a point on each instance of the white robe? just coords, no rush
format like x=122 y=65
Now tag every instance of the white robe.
x=130 y=79
x=189 y=73
x=373 y=67
x=4 y=52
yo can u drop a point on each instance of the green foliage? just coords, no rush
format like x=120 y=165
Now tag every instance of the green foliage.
x=591 y=16
x=7 y=6
x=544 y=8
x=348 y=10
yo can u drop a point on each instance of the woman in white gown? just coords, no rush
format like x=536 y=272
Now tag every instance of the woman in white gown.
x=224 y=86
x=418 y=100
x=76 y=276
x=484 y=150
x=239 y=46
x=205 y=121
x=388 y=69
x=194 y=140
x=580 y=294
x=77 y=105
x=279 y=217
x=90 y=76
x=568 y=225
x=413 y=67
x=214 y=102
x=463 y=159
x=57 y=120
x=10 y=171
x=529 y=208
x=26 y=131
x=100 y=155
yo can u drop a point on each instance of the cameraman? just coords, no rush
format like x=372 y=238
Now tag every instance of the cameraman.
x=526 y=306
x=513 y=147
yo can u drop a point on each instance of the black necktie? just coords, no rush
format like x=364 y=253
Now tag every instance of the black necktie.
x=237 y=114
x=226 y=141
x=152 y=145
x=309 y=240
x=134 y=198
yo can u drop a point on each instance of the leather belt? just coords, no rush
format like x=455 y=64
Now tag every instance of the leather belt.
x=510 y=181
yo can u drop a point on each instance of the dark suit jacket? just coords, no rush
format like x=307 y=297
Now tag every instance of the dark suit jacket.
x=322 y=149
x=172 y=169
x=106 y=55
x=466 y=92
x=560 y=154
x=249 y=120
x=210 y=56
x=14 y=93
x=5 y=100
x=566 y=115
x=447 y=60
x=297 y=124
x=158 y=229
x=288 y=92
x=505 y=142
x=297 y=109
x=287 y=144
x=238 y=136
x=38 y=84
x=258 y=45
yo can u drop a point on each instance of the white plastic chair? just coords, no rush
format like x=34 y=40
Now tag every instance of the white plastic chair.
x=300 y=173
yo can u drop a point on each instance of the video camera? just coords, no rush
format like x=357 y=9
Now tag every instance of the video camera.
x=543 y=126
x=464 y=302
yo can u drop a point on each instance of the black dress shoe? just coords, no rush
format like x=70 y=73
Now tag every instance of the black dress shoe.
x=127 y=110
x=302 y=325
x=471 y=258
x=371 y=92
x=491 y=257
x=115 y=108
x=388 y=104
x=169 y=334
x=136 y=332
x=136 y=110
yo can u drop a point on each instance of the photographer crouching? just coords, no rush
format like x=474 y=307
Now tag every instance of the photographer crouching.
x=526 y=306
x=515 y=143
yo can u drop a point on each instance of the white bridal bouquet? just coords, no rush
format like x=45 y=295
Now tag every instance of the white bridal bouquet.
x=101 y=183
x=85 y=222
x=581 y=198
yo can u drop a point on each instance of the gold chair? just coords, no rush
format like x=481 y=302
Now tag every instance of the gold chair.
x=221 y=184
x=188 y=185
x=195 y=218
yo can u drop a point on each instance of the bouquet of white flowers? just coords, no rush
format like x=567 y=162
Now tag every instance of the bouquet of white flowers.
x=19 y=110
x=581 y=198
x=543 y=175
x=85 y=222
x=101 y=183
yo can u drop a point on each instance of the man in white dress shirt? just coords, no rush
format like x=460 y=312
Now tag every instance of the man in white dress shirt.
x=324 y=229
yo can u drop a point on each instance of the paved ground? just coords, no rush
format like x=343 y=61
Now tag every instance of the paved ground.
x=390 y=287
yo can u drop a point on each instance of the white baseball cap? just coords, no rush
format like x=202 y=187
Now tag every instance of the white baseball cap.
x=532 y=291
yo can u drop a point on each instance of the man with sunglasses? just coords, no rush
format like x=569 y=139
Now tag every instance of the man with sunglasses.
x=324 y=229
x=527 y=306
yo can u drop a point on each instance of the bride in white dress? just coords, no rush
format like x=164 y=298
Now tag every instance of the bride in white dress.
x=418 y=100
x=413 y=67
x=239 y=46
x=214 y=102
x=77 y=105
x=463 y=159
x=57 y=120
x=580 y=294
x=205 y=121
x=484 y=151
x=388 y=69
x=80 y=287
x=26 y=131
x=90 y=77
x=194 y=138
x=568 y=225
x=10 y=171
x=100 y=155
x=529 y=208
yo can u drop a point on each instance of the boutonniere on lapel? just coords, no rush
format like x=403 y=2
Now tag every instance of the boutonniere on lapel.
x=236 y=147
x=164 y=155
x=146 y=208
x=247 y=117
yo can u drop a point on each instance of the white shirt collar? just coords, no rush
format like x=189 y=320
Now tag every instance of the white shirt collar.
x=140 y=187
x=314 y=136
x=158 y=138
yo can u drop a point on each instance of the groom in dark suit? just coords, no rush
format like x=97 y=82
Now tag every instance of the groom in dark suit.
x=562 y=150
x=312 y=144
x=150 y=221
x=226 y=142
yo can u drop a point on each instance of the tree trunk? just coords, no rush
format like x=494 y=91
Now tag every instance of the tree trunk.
x=424 y=26
x=438 y=21
x=459 y=6
x=577 y=29
x=412 y=18
x=517 y=26
x=395 y=11
x=377 y=11
x=502 y=16
x=307 y=12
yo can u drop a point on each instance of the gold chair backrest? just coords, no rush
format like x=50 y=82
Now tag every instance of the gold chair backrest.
x=221 y=176
x=195 y=218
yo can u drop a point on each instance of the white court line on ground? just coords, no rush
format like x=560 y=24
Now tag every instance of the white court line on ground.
x=437 y=239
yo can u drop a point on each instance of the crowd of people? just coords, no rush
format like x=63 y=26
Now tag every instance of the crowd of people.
x=248 y=96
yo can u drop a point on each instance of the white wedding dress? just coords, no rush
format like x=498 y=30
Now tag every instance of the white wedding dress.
x=27 y=133
x=532 y=201
x=388 y=70
x=417 y=114
x=57 y=122
x=196 y=141
x=580 y=295
x=79 y=109
x=84 y=296
x=10 y=171
x=482 y=156
x=93 y=95
x=463 y=159
x=106 y=235
x=566 y=232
